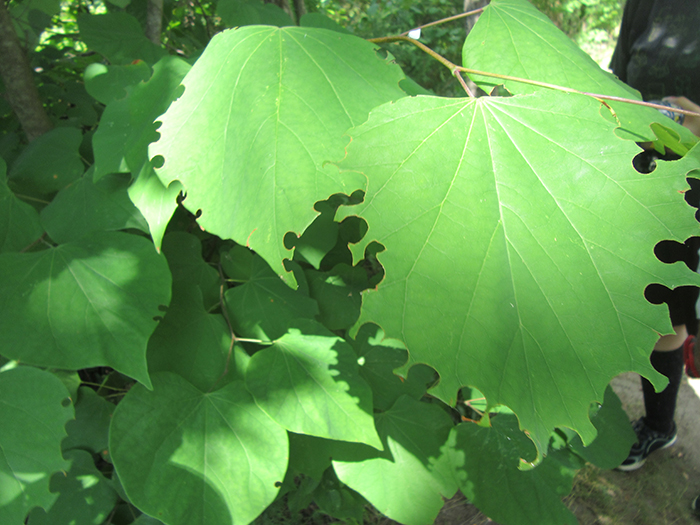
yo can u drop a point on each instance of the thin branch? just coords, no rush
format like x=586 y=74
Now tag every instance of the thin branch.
x=399 y=38
x=448 y=19
x=464 y=84
x=571 y=90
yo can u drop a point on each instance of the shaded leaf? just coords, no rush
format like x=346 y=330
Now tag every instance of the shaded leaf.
x=86 y=206
x=188 y=457
x=308 y=382
x=110 y=83
x=83 y=304
x=19 y=222
x=34 y=408
x=505 y=274
x=90 y=428
x=615 y=435
x=265 y=307
x=48 y=164
x=119 y=37
x=271 y=106
x=487 y=462
x=84 y=495
x=236 y=13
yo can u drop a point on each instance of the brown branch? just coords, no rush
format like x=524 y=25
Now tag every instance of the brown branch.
x=16 y=74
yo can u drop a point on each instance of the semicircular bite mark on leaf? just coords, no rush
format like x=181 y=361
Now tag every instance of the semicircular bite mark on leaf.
x=269 y=107
x=506 y=274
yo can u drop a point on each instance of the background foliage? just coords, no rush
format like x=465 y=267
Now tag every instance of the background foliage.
x=251 y=269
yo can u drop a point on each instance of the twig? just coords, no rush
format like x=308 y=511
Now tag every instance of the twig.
x=448 y=19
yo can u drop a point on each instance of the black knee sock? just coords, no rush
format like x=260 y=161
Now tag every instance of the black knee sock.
x=660 y=407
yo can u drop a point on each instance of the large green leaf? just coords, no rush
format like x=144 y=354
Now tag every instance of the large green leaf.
x=308 y=382
x=192 y=458
x=34 y=408
x=513 y=38
x=487 y=462
x=409 y=480
x=87 y=303
x=90 y=429
x=267 y=108
x=518 y=251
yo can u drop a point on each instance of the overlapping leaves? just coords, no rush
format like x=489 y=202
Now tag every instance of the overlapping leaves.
x=267 y=108
x=513 y=38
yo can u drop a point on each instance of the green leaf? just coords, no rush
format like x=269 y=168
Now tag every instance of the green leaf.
x=338 y=294
x=322 y=22
x=191 y=342
x=615 y=435
x=90 y=428
x=118 y=37
x=264 y=307
x=110 y=83
x=19 y=222
x=487 y=462
x=308 y=382
x=127 y=125
x=236 y=13
x=379 y=358
x=82 y=304
x=84 y=495
x=87 y=207
x=272 y=106
x=187 y=457
x=48 y=164
x=409 y=480
x=517 y=253
x=184 y=254
x=156 y=202
x=34 y=407
x=513 y=38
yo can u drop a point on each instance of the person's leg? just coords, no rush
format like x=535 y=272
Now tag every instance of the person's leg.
x=657 y=430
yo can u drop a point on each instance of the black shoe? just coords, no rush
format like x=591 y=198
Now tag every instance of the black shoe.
x=648 y=441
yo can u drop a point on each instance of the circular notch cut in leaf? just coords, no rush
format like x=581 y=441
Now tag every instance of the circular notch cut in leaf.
x=87 y=303
x=309 y=383
x=263 y=110
x=187 y=457
x=33 y=418
x=519 y=241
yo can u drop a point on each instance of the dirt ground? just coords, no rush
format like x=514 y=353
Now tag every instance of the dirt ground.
x=659 y=493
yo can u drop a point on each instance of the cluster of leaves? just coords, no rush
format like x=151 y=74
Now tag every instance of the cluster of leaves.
x=432 y=252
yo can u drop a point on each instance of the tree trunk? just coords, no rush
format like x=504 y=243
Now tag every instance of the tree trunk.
x=16 y=74
x=300 y=9
x=154 y=21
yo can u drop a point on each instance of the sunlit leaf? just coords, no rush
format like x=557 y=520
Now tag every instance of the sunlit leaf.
x=517 y=252
x=268 y=108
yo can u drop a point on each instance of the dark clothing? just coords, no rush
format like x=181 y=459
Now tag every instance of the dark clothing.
x=658 y=53
x=658 y=50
